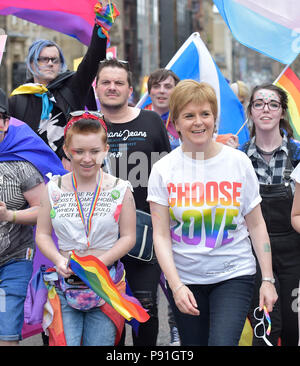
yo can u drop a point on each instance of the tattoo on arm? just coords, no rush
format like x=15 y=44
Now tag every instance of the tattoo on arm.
x=267 y=248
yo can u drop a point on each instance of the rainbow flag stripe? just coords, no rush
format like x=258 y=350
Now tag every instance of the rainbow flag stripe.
x=95 y=275
x=106 y=16
x=267 y=315
x=289 y=82
x=74 y=18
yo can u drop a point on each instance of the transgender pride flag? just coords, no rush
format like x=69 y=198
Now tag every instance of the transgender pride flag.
x=72 y=17
x=271 y=27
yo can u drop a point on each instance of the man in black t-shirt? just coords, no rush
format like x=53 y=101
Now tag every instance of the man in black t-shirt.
x=137 y=139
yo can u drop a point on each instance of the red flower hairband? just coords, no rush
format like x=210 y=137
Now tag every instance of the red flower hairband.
x=85 y=115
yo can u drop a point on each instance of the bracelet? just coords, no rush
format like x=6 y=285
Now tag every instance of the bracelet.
x=268 y=279
x=14 y=217
x=178 y=288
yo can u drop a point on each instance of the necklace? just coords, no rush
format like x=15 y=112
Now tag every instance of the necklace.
x=88 y=222
x=269 y=153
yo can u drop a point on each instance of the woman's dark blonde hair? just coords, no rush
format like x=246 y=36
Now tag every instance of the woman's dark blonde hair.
x=284 y=123
x=191 y=91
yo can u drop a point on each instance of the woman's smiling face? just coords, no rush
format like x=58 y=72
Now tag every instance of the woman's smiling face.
x=196 y=124
x=267 y=118
x=87 y=152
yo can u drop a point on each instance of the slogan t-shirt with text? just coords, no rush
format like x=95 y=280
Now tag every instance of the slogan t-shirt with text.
x=207 y=201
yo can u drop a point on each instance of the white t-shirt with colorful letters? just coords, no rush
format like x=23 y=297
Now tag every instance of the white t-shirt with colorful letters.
x=207 y=201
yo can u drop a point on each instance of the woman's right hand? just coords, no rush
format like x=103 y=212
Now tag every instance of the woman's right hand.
x=185 y=301
x=62 y=267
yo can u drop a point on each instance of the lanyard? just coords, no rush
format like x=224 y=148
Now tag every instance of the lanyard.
x=87 y=223
x=168 y=120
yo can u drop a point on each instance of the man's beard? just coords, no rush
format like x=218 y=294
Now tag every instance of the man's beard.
x=113 y=107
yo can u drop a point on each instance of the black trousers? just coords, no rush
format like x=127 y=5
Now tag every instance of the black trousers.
x=143 y=279
x=286 y=268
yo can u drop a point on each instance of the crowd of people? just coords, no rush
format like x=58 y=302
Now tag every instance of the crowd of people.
x=224 y=225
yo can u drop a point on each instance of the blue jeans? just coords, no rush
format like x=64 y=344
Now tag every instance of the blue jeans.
x=223 y=310
x=86 y=328
x=14 y=278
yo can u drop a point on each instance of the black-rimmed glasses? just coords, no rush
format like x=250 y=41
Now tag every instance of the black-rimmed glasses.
x=45 y=60
x=259 y=104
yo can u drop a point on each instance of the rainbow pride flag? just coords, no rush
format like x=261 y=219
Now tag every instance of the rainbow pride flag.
x=96 y=276
x=289 y=82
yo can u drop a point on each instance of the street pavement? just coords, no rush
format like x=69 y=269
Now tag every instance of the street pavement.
x=163 y=335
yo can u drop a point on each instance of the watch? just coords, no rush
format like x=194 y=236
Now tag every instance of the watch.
x=269 y=279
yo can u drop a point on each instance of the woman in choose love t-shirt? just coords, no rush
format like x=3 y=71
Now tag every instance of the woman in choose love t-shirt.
x=204 y=199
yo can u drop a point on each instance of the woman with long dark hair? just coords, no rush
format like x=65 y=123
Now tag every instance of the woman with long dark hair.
x=274 y=154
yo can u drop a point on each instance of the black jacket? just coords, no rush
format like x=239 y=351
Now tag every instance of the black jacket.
x=71 y=90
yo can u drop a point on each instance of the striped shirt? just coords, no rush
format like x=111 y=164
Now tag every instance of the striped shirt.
x=16 y=178
x=269 y=172
x=272 y=172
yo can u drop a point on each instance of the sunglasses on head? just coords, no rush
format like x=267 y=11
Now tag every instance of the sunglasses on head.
x=81 y=113
x=77 y=115
x=122 y=62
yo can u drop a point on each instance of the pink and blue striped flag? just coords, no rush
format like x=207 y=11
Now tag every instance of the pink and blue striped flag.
x=74 y=18
x=271 y=27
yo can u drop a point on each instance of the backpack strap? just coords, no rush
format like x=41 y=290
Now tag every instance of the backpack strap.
x=289 y=163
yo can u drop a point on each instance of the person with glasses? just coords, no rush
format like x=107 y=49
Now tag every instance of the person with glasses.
x=204 y=200
x=51 y=91
x=92 y=213
x=25 y=160
x=274 y=154
x=137 y=139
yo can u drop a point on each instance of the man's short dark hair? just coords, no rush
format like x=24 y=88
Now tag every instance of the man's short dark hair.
x=114 y=62
x=160 y=75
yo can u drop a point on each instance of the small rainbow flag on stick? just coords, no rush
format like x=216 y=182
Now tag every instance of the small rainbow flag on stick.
x=289 y=82
x=96 y=276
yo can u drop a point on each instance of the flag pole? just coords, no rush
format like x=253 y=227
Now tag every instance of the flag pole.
x=110 y=8
x=243 y=125
x=282 y=72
